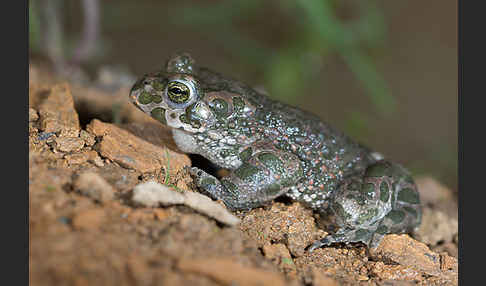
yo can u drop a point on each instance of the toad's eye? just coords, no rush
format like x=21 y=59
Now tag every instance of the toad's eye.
x=178 y=92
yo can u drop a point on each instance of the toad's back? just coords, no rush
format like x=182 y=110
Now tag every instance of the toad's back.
x=327 y=156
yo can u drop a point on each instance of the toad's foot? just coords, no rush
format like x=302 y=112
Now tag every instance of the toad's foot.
x=366 y=236
x=385 y=200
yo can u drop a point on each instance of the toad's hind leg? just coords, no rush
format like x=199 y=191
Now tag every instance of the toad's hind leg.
x=366 y=207
x=264 y=176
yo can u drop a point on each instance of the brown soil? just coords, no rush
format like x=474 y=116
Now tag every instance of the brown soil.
x=86 y=230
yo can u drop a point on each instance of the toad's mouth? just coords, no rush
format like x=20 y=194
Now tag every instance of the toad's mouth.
x=134 y=101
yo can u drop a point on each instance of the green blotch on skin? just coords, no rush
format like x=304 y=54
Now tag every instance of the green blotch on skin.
x=157 y=98
x=384 y=192
x=229 y=186
x=238 y=103
x=208 y=182
x=339 y=210
x=289 y=179
x=159 y=114
x=354 y=187
x=368 y=190
x=371 y=213
x=246 y=171
x=393 y=193
x=189 y=117
x=195 y=123
x=271 y=161
x=382 y=229
x=408 y=179
x=360 y=234
x=408 y=195
x=326 y=154
x=377 y=170
x=145 y=98
x=159 y=86
x=411 y=211
x=273 y=189
x=351 y=197
x=226 y=152
x=396 y=216
x=361 y=200
x=183 y=118
x=220 y=107
x=246 y=154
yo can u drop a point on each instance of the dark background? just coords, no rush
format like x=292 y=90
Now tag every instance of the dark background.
x=385 y=72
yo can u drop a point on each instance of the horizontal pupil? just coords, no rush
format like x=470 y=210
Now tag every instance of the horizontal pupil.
x=178 y=90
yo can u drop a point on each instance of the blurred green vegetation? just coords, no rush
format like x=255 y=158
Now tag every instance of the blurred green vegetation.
x=34 y=37
x=316 y=32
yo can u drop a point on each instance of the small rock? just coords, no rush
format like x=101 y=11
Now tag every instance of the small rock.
x=88 y=138
x=408 y=252
x=86 y=156
x=69 y=144
x=94 y=158
x=33 y=116
x=132 y=152
x=89 y=219
x=436 y=227
x=94 y=186
x=98 y=162
x=228 y=272
x=76 y=159
x=152 y=194
x=46 y=136
x=57 y=113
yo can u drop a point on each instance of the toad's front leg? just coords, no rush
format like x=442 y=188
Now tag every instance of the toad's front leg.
x=261 y=178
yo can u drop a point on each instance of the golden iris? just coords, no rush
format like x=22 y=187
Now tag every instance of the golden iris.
x=178 y=92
